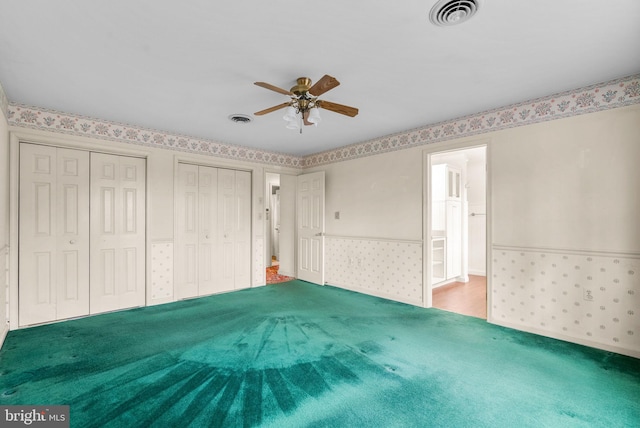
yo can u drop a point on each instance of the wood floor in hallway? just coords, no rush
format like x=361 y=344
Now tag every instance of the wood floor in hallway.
x=466 y=298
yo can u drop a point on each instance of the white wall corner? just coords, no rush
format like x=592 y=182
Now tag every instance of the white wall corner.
x=4 y=102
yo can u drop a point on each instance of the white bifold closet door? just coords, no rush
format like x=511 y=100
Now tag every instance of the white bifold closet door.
x=81 y=231
x=117 y=232
x=213 y=235
x=196 y=258
x=54 y=234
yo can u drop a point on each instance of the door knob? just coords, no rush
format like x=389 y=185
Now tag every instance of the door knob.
x=206 y=237
x=73 y=241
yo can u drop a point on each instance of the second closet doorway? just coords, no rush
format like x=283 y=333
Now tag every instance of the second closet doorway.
x=213 y=230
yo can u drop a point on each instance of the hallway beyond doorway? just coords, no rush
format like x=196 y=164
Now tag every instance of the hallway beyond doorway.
x=465 y=298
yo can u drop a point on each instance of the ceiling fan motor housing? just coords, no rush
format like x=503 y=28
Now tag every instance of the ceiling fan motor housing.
x=303 y=86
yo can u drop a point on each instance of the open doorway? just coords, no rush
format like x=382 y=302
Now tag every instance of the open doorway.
x=273 y=219
x=458 y=231
x=279 y=216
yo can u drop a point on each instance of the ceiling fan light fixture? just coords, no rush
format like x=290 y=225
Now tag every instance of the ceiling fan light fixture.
x=290 y=114
x=292 y=124
x=314 y=116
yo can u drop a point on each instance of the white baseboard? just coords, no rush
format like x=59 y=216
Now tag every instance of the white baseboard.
x=477 y=272
x=386 y=296
x=566 y=338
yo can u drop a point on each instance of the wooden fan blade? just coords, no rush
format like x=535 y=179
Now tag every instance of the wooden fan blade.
x=270 y=109
x=323 y=85
x=338 y=108
x=273 y=88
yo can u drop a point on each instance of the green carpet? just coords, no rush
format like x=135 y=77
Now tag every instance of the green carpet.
x=298 y=355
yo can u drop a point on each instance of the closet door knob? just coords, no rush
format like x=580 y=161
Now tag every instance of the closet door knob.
x=73 y=241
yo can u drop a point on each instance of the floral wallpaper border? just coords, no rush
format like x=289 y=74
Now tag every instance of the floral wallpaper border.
x=603 y=96
x=64 y=123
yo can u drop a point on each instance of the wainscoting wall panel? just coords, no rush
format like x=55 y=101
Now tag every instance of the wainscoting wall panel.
x=385 y=268
x=161 y=270
x=591 y=297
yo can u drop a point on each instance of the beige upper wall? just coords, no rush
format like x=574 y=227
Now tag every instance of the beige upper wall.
x=570 y=183
x=378 y=196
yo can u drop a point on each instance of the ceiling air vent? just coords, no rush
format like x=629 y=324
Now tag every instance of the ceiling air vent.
x=452 y=12
x=240 y=118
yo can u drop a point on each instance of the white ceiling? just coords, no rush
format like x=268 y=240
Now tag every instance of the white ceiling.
x=185 y=66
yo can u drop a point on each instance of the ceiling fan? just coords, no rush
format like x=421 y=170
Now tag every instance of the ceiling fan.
x=304 y=103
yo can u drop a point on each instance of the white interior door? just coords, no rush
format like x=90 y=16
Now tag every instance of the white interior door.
x=117 y=232
x=54 y=234
x=187 y=233
x=310 y=214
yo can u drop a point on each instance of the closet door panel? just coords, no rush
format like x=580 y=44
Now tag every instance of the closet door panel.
x=208 y=256
x=226 y=228
x=117 y=232
x=242 y=256
x=54 y=234
x=104 y=240
x=73 y=233
x=213 y=230
x=38 y=241
x=187 y=263
x=132 y=232
x=37 y=275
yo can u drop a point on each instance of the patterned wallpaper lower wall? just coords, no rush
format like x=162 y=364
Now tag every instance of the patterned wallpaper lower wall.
x=379 y=267
x=592 y=298
x=259 y=272
x=161 y=271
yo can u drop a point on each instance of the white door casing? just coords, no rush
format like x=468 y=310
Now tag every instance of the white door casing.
x=54 y=234
x=117 y=214
x=310 y=215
